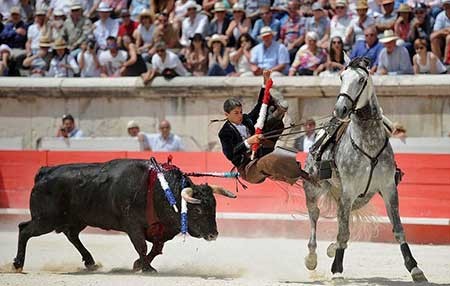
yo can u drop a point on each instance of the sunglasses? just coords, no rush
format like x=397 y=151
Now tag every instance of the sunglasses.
x=420 y=12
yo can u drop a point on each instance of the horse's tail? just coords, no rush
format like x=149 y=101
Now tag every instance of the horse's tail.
x=363 y=222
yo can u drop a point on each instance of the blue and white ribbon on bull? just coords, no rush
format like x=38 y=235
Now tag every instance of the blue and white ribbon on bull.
x=186 y=197
x=164 y=184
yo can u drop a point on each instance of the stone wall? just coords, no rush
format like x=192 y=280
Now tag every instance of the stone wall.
x=32 y=108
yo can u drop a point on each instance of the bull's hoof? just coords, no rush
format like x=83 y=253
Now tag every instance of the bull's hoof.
x=311 y=261
x=149 y=270
x=92 y=267
x=16 y=266
x=16 y=269
x=337 y=278
x=137 y=265
x=417 y=275
x=331 y=250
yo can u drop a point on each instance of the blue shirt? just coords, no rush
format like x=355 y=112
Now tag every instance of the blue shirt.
x=275 y=25
x=398 y=62
x=360 y=49
x=11 y=38
x=267 y=58
x=159 y=144
x=442 y=21
x=320 y=28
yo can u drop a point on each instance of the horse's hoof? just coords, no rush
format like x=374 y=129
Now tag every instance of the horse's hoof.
x=417 y=275
x=91 y=267
x=137 y=265
x=331 y=250
x=311 y=261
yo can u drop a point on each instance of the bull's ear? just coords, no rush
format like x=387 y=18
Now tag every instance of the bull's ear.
x=187 y=193
x=221 y=191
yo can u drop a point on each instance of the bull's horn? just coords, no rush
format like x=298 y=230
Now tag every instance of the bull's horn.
x=187 y=193
x=221 y=191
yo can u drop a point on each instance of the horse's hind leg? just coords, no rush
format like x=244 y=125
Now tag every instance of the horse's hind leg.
x=73 y=235
x=28 y=230
x=391 y=202
x=313 y=212
x=344 y=207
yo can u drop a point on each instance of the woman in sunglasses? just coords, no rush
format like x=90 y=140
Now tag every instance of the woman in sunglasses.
x=425 y=62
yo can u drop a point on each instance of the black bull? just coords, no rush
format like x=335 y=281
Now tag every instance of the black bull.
x=113 y=196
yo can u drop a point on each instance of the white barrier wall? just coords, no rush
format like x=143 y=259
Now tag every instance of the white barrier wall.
x=31 y=108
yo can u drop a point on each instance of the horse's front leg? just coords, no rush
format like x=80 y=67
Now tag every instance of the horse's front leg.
x=390 y=197
x=344 y=207
x=313 y=212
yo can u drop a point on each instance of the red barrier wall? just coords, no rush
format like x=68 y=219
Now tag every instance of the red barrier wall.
x=424 y=191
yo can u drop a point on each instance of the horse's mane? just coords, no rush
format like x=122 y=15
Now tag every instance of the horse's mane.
x=360 y=62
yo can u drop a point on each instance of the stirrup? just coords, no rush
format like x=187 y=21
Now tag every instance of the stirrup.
x=325 y=169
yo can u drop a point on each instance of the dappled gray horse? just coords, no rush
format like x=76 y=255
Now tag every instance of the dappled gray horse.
x=364 y=166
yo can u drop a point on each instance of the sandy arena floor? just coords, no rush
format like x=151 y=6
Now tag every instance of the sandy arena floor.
x=52 y=260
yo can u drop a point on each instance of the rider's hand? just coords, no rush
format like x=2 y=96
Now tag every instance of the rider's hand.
x=254 y=139
x=266 y=75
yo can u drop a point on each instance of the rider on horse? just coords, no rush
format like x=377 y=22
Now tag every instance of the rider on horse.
x=238 y=135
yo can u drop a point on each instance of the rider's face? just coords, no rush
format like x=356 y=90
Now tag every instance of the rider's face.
x=235 y=115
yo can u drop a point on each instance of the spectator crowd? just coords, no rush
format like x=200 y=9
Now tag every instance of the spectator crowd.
x=148 y=38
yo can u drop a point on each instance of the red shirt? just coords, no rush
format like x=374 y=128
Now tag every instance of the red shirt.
x=128 y=29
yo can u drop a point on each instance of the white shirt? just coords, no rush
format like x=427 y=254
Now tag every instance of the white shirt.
x=308 y=142
x=146 y=34
x=189 y=29
x=112 y=64
x=159 y=144
x=56 y=69
x=34 y=34
x=170 y=62
x=105 y=29
x=63 y=5
x=89 y=69
x=358 y=33
x=338 y=26
x=5 y=7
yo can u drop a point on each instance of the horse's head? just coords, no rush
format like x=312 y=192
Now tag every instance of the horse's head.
x=353 y=93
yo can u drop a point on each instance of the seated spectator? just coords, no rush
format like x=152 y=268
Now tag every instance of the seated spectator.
x=165 y=141
x=180 y=11
x=135 y=64
x=88 y=60
x=127 y=27
x=35 y=31
x=56 y=26
x=14 y=34
x=209 y=5
x=218 y=57
x=266 y=20
x=387 y=20
x=369 y=48
x=238 y=26
x=76 y=28
x=440 y=38
x=421 y=24
x=194 y=23
x=39 y=63
x=62 y=63
x=164 y=63
x=197 y=56
x=68 y=129
x=252 y=8
x=144 y=34
x=159 y=6
x=320 y=24
x=280 y=10
x=425 y=62
x=137 y=6
x=402 y=26
x=57 y=5
x=337 y=59
x=292 y=33
x=310 y=58
x=220 y=23
x=105 y=27
x=355 y=31
x=341 y=20
x=167 y=32
x=269 y=55
x=393 y=59
x=116 y=6
x=241 y=57
x=134 y=131
x=27 y=11
x=5 y=58
x=112 y=59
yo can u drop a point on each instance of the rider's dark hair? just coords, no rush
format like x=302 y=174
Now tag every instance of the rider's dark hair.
x=231 y=104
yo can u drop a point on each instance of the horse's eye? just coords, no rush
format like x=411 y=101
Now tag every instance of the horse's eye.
x=362 y=80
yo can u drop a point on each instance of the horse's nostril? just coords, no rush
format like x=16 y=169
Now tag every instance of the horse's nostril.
x=344 y=110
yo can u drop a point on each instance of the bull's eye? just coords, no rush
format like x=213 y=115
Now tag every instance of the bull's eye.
x=198 y=211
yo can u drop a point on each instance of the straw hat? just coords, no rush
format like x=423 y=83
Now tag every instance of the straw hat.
x=44 y=42
x=76 y=5
x=132 y=124
x=238 y=7
x=388 y=36
x=59 y=44
x=266 y=30
x=58 y=13
x=216 y=38
x=341 y=3
x=14 y=10
x=219 y=7
x=145 y=13
x=40 y=12
x=362 y=4
x=104 y=7
x=404 y=8
x=385 y=2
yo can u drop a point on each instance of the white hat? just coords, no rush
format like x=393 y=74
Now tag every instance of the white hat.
x=341 y=3
x=104 y=7
x=192 y=4
x=58 y=13
x=132 y=124
x=4 y=47
x=216 y=38
x=238 y=7
x=76 y=5
x=219 y=7
x=265 y=31
x=388 y=36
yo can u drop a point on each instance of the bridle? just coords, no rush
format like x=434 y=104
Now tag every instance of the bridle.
x=355 y=101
